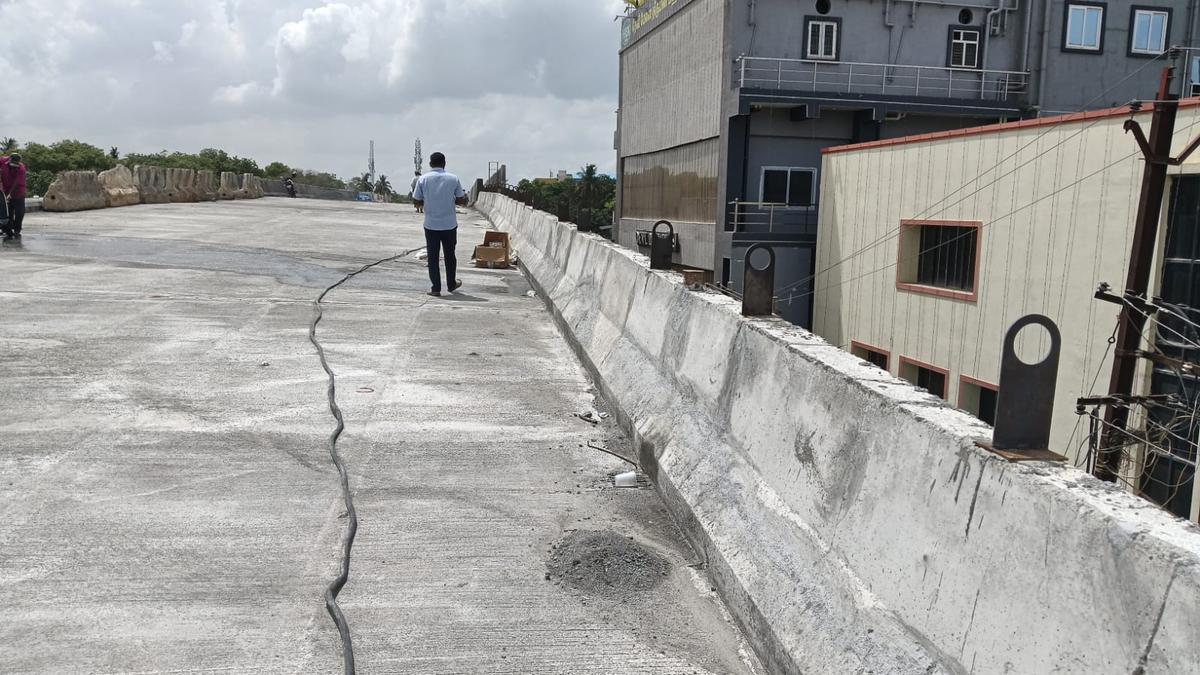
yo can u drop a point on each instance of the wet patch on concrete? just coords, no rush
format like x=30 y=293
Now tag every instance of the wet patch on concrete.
x=606 y=563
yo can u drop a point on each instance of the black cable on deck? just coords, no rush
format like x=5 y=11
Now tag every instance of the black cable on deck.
x=335 y=587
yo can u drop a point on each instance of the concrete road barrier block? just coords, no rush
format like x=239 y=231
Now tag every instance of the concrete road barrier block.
x=181 y=185
x=75 y=191
x=252 y=186
x=151 y=182
x=230 y=186
x=119 y=188
x=206 y=186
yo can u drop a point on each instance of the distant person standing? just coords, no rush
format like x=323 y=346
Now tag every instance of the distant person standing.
x=12 y=181
x=440 y=192
x=413 y=190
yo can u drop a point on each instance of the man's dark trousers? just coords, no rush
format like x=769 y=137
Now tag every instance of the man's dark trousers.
x=16 y=214
x=446 y=240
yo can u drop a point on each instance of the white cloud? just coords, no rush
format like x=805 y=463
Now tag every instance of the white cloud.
x=309 y=82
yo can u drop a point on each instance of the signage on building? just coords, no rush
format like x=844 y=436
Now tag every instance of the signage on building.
x=653 y=13
x=643 y=240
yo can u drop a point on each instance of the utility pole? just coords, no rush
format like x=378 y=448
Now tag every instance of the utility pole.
x=1157 y=154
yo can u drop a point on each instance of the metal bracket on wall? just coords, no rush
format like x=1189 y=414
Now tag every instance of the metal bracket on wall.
x=1025 y=402
x=758 y=285
x=661 y=246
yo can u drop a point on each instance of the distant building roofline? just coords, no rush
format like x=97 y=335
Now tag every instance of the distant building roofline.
x=1069 y=118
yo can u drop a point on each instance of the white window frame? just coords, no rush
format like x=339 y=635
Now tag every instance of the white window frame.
x=1083 y=46
x=1139 y=12
x=976 y=42
x=824 y=25
x=762 y=185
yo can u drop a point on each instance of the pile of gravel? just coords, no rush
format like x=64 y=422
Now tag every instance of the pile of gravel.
x=605 y=563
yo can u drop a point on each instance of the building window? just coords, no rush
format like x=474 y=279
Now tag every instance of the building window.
x=964 y=47
x=1083 y=27
x=873 y=355
x=939 y=257
x=978 y=398
x=1194 y=76
x=1148 y=27
x=787 y=185
x=822 y=39
x=928 y=377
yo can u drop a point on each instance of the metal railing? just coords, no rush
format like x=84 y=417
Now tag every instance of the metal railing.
x=878 y=78
x=771 y=217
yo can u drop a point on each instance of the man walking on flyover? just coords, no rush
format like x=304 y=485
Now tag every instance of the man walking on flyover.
x=437 y=193
x=12 y=180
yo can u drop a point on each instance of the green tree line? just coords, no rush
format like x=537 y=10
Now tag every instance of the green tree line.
x=586 y=199
x=46 y=161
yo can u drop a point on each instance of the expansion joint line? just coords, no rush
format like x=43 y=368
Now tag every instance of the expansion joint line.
x=335 y=587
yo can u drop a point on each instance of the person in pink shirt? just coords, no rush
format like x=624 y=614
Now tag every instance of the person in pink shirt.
x=12 y=182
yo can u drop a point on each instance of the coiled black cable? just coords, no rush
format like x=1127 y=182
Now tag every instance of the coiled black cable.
x=335 y=587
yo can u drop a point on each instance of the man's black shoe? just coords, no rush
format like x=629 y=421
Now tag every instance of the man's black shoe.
x=457 y=285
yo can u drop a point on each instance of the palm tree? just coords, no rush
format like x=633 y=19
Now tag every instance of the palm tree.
x=114 y=153
x=8 y=145
x=383 y=187
x=363 y=183
x=587 y=188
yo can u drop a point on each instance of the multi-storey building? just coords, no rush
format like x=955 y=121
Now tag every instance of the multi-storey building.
x=726 y=105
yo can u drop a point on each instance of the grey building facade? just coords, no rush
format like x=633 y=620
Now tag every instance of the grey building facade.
x=726 y=105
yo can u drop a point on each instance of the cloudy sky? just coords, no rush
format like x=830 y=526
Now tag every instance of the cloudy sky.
x=309 y=82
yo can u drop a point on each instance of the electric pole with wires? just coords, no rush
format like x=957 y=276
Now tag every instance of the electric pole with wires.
x=1135 y=305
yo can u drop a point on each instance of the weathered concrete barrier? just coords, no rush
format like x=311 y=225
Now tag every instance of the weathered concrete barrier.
x=229 y=187
x=206 y=186
x=118 y=186
x=252 y=186
x=848 y=518
x=75 y=191
x=181 y=185
x=152 y=184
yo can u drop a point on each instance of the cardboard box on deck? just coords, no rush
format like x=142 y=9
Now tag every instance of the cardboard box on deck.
x=493 y=252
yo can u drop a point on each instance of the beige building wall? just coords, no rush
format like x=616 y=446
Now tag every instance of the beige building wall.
x=1055 y=204
x=671 y=109
x=671 y=82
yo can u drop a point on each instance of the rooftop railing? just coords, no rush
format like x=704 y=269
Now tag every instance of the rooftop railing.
x=768 y=217
x=878 y=79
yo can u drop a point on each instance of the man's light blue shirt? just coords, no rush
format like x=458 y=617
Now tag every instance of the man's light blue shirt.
x=438 y=190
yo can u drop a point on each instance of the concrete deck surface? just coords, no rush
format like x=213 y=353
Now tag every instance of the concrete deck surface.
x=167 y=502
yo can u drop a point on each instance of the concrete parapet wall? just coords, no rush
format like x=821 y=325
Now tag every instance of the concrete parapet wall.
x=119 y=188
x=75 y=191
x=273 y=187
x=848 y=518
